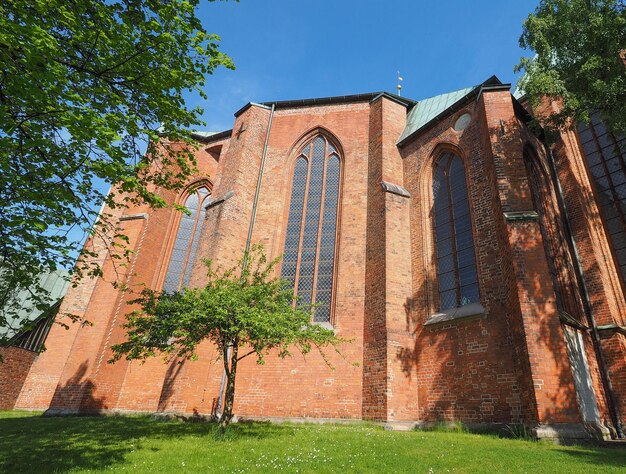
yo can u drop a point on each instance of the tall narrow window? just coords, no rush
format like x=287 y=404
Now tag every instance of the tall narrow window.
x=560 y=262
x=456 y=262
x=309 y=253
x=186 y=243
x=605 y=155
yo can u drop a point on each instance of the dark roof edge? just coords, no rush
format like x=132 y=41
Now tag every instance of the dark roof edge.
x=491 y=84
x=248 y=105
x=54 y=307
x=342 y=99
x=409 y=103
x=521 y=111
x=212 y=138
x=496 y=87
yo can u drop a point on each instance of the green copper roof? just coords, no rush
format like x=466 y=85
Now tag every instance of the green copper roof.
x=55 y=283
x=428 y=109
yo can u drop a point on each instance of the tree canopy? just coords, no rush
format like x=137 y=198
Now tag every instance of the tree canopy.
x=580 y=59
x=87 y=90
x=243 y=310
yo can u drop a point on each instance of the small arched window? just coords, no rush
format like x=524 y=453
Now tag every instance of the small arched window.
x=309 y=253
x=455 y=258
x=186 y=243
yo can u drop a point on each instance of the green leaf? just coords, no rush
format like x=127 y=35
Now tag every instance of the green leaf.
x=579 y=60
x=84 y=90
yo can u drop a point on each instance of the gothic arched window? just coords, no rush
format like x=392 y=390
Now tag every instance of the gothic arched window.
x=186 y=243
x=455 y=259
x=605 y=154
x=560 y=262
x=309 y=253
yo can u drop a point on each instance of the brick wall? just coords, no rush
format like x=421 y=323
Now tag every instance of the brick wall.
x=510 y=364
x=608 y=302
x=308 y=387
x=466 y=370
x=375 y=330
x=43 y=379
x=389 y=386
x=13 y=371
x=86 y=382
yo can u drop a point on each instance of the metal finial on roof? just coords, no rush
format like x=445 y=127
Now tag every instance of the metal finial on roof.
x=399 y=86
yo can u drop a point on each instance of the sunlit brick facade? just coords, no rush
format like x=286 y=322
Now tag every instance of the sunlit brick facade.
x=484 y=289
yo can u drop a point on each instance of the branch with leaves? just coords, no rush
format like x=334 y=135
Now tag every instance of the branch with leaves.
x=91 y=97
x=579 y=60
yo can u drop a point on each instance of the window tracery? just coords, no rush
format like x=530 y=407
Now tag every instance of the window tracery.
x=454 y=243
x=186 y=242
x=605 y=155
x=311 y=239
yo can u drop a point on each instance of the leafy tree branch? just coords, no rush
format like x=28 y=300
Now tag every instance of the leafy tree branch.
x=91 y=96
x=580 y=60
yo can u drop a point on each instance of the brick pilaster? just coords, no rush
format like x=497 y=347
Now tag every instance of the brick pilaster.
x=388 y=382
x=537 y=334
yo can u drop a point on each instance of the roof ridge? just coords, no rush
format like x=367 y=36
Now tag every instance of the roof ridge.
x=447 y=93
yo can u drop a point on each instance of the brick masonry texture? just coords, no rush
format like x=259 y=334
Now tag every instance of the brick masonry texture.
x=13 y=371
x=506 y=363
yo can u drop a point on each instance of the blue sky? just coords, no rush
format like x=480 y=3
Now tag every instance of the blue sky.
x=289 y=49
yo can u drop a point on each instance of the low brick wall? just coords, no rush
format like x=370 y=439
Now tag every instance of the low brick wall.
x=13 y=371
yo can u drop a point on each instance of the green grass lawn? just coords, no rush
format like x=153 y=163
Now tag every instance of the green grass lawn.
x=32 y=443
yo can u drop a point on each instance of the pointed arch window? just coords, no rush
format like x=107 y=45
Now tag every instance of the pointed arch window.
x=454 y=243
x=560 y=261
x=605 y=155
x=311 y=240
x=186 y=242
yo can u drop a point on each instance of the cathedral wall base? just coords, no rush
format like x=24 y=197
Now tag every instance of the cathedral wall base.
x=558 y=433
x=571 y=433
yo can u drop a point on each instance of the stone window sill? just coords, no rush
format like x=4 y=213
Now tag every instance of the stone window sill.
x=472 y=310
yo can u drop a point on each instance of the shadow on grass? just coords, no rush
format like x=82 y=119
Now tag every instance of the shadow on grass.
x=57 y=444
x=497 y=430
x=32 y=443
x=612 y=456
x=595 y=453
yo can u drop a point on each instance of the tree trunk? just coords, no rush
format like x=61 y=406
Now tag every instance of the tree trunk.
x=230 y=366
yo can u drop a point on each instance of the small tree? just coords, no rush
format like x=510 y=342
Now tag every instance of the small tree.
x=243 y=310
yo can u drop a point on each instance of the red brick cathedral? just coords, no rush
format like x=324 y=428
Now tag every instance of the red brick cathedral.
x=479 y=272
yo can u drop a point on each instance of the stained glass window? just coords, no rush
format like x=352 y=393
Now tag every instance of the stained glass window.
x=605 y=154
x=186 y=243
x=310 y=243
x=454 y=243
